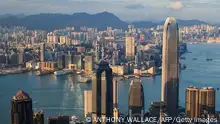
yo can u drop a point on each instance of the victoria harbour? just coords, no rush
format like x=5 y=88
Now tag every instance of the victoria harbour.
x=63 y=95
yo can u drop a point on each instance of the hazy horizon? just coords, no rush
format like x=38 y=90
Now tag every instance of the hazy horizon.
x=128 y=10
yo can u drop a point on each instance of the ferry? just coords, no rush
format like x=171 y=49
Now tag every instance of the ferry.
x=79 y=72
x=63 y=72
x=208 y=59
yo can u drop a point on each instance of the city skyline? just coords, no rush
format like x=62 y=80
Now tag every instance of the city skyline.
x=126 y=10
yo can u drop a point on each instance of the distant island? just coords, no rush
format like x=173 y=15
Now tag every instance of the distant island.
x=50 y=22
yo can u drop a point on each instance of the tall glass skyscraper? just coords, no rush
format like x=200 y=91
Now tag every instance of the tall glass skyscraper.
x=170 y=67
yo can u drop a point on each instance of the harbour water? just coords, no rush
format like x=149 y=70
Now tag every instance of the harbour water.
x=63 y=95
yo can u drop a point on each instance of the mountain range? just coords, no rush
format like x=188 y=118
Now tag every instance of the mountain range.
x=47 y=21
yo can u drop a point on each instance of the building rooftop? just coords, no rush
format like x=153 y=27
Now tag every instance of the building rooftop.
x=21 y=95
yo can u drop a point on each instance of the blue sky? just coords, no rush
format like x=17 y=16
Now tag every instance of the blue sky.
x=128 y=10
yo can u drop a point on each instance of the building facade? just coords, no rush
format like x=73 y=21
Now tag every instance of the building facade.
x=21 y=109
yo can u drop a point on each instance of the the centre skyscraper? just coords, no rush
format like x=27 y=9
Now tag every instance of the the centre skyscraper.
x=170 y=66
x=102 y=91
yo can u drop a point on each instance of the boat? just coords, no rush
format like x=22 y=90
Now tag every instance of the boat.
x=84 y=80
x=63 y=72
x=194 y=59
x=208 y=59
x=79 y=72
x=183 y=58
x=43 y=72
x=184 y=67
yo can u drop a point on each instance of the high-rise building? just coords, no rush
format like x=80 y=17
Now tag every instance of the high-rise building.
x=21 y=109
x=59 y=120
x=61 y=61
x=102 y=91
x=156 y=108
x=207 y=101
x=68 y=60
x=42 y=52
x=78 y=60
x=115 y=93
x=130 y=28
x=88 y=64
x=38 y=117
x=170 y=67
x=97 y=52
x=20 y=58
x=136 y=98
x=137 y=61
x=192 y=102
x=13 y=59
x=87 y=102
x=130 y=46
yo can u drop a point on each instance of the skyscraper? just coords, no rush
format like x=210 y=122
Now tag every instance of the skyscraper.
x=170 y=66
x=61 y=61
x=207 y=101
x=42 y=52
x=192 y=102
x=102 y=91
x=136 y=98
x=130 y=48
x=21 y=109
x=87 y=102
x=88 y=64
x=115 y=93
x=38 y=117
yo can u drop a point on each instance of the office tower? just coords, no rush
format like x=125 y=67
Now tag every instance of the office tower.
x=136 y=98
x=192 y=102
x=78 y=60
x=98 y=52
x=170 y=67
x=21 y=109
x=130 y=46
x=61 y=61
x=20 y=58
x=68 y=60
x=115 y=57
x=2 y=59
x=59 y=120
x=102 y=91
x=13 y=59
x=6 y=59
x=156 y=108
x=115 y=93
x=103 y=52
x=137 y=61
x=207 y=101
x=38 y=117
x=88 y=64
x=42 y=52
x=87 y=102
x=130 y=28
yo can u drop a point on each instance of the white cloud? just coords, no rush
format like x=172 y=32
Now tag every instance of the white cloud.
x=176 y=5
